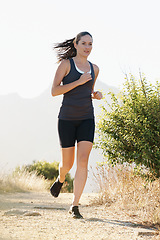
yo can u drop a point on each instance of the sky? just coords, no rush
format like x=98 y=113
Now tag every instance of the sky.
x=126 y=39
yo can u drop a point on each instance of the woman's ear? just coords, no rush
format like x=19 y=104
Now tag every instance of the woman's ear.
x=75 y=45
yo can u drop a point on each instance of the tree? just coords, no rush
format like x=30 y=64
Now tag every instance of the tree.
x=130 y=130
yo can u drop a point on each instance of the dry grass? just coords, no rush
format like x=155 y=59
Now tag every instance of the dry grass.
x=22 y=181
x=122 y=188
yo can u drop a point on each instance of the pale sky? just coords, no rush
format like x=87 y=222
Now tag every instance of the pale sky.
x=126 y=38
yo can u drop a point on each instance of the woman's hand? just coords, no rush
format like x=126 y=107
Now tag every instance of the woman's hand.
x=97 y=95
x=85 y=78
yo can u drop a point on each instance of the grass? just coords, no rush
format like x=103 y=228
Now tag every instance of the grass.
x=22 y=181
x=123 y=189
x=119 y=187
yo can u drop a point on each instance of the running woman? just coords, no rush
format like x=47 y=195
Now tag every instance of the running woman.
x=75 y=79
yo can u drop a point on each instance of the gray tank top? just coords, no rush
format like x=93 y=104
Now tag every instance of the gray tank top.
x=77 y=103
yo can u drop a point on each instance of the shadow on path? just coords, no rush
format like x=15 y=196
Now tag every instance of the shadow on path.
x=121 y=223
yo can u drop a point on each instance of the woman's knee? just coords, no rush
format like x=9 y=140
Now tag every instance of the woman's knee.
x=82 y=161
x=67 y=159
x=83 y=152
x=66 y=167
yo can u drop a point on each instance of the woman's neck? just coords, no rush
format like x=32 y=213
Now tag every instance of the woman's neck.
x=80 y=60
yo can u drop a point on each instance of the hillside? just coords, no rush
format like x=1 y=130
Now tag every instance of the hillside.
x=28 y=128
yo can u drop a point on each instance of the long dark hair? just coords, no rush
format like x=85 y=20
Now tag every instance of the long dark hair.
x=66 y=49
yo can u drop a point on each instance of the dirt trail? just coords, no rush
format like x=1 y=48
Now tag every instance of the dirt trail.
x=28 y=216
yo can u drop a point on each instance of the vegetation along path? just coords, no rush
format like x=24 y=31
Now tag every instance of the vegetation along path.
x=26 y=216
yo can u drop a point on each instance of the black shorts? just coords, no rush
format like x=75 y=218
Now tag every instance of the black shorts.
x=76 y=130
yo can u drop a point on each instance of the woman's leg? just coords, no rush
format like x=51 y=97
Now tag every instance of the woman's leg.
x=66 y=163
x=66 y=130
x=64 y=167
x=83 y=151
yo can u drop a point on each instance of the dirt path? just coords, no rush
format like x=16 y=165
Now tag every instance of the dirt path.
x=27 y=216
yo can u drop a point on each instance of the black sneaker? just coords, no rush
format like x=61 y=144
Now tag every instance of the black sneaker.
x=75 y=212
x=56 y=188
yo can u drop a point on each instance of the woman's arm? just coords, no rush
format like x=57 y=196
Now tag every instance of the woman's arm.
x=62 y=70
x=96 y=94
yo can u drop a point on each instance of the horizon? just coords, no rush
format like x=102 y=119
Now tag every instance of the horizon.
x=49 y=88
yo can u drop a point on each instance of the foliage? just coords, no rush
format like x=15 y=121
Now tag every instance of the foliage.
x=130 y=130
x=122 y=189
x=49 y=171
x=44 y=168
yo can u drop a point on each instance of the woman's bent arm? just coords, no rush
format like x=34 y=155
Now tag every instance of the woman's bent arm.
x=62 y=71
x=96 y=95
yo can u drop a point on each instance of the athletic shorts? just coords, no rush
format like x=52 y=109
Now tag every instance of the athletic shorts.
x=76 y=130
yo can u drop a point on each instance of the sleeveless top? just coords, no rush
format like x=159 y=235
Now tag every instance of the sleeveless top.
x=77 y=103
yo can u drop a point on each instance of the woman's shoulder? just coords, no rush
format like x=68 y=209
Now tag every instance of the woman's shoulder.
x=65 y=66
x=64 y=62
x=96 y=68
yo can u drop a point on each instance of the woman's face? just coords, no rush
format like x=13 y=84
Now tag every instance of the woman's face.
x=84 y=46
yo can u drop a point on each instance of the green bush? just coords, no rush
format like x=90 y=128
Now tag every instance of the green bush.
x=50 y=172
x=130 y=130
x=44 y=168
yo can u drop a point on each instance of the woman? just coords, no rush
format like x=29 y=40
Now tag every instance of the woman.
x=76 y=116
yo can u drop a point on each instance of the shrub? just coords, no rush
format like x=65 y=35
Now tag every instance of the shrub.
x=130 y=130
x=50 y=171
x=44 y=168
x=121 y=188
